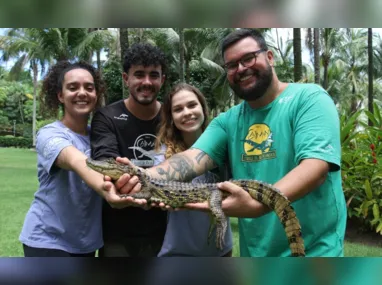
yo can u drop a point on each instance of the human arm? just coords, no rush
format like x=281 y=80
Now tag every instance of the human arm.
x=300 y=181
x=71 y=159
x=191 y=163
x=180 y=167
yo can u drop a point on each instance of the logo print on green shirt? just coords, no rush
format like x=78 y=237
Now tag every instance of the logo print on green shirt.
x=257 y=144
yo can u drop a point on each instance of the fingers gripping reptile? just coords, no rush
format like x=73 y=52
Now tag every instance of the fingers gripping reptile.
x=177 y=194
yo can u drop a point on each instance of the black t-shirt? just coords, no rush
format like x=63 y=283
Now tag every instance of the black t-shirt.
x=117 y=132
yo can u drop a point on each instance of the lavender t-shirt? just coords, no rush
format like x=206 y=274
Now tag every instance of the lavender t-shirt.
x=187 y=231
x=65 y=213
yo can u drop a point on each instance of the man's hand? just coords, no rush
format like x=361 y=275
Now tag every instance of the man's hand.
x=238 y=204
x=126 y=184
x=112 y=196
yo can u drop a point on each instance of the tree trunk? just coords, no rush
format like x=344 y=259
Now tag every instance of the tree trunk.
x=98 y=53
x=34 y=117
x=370 y=67
x=90 y=55
x=181 y=55
x=326 y=75
x=353 y=104
x=187 y=71
x=297 y=54
x=316 y=50
x=21 y=109
x=124 y=43
x=99 y=66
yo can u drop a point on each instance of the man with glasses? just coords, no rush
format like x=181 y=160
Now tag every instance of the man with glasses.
x=285 y=134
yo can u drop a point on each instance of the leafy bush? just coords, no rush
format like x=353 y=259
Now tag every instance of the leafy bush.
x=362 y=169
x=43 y=123
x=11 y=141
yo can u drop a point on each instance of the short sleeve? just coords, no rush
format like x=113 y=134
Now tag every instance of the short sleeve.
x=50 y=142
x=214 y=140
x=317 y=131
x=103 y=139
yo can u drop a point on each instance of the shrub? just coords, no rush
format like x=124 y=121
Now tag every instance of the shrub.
x=20 y=142
x=362 y=171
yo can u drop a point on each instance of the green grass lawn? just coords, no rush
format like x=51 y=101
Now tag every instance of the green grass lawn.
x=18 y=182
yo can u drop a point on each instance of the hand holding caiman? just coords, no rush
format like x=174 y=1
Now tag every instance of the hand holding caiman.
x=177 y=194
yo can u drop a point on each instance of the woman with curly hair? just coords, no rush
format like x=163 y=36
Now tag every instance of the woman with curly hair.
x=183 y=119
x=64 y=218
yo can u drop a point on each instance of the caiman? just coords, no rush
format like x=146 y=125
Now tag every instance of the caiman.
x=176 y=194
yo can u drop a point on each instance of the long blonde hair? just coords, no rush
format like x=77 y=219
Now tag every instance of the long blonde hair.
x=168 y=133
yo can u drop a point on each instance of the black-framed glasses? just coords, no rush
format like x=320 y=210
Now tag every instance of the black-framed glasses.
x=246 y=60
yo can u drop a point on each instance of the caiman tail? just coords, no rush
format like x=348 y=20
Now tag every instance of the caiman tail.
x=276 y=201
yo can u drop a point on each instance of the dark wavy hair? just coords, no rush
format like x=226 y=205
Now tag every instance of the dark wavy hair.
x=240 y=34
x=52 y=84
x=168 y=133
x=144 y=54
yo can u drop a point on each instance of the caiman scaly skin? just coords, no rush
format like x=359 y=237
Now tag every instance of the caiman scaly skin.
x=176 y=194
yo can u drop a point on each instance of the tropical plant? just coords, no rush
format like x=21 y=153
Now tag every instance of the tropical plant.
x=362 y=169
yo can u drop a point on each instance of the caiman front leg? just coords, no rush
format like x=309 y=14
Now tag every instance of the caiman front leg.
x=218 y=216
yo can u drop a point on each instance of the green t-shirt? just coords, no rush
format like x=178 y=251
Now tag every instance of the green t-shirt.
x=265 y=144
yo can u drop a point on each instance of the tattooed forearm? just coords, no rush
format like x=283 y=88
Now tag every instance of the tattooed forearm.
x=181 y=168
x=184 y=166
x=168 y=175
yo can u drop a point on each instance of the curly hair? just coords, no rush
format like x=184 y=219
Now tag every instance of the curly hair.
x=52 y=84
x=168 y=133
x=144 y=54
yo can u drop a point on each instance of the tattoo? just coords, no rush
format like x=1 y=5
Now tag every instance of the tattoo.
x=168 y=176
x=200 y=156
x=208 y=160
x=181 y=166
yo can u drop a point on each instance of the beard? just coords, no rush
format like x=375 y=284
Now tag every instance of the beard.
x=264 y=80
x=144 y=100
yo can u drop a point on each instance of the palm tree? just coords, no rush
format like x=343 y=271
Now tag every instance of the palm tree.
x=124 y=45
x=312 y=41
x=351 y=55
x=370 y=69
x=181 y=54
x=40 y=47
x=27 y=43
x=283 y=53
x=316 y=52
x=297 y=54
x=330 y=40
x=93 y=40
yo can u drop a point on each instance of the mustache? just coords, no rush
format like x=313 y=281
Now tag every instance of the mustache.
x=149 y=88
x=246 y=73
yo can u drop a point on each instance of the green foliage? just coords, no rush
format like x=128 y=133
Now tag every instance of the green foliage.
x=362 y=169
x=43 y=123
x=112 y=74
x=20 y=142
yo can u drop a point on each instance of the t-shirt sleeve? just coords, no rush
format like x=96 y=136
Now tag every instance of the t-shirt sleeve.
x=49 y=143
x=214 y=140
x=317 y=130
x=103 y=139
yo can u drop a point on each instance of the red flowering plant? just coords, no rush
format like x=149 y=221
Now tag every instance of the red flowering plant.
x=361 y=168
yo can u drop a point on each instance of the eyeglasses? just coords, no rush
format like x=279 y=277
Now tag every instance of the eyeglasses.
x=246 y=60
